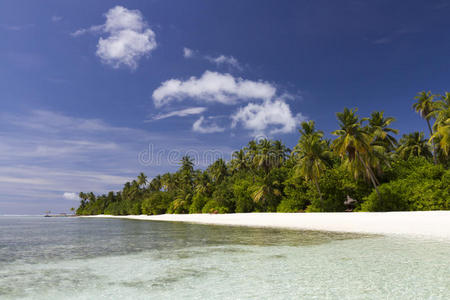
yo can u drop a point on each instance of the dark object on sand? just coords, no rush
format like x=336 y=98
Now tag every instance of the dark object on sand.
x=350 y=204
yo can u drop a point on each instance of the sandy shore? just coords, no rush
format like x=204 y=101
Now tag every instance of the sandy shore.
x=428 y=223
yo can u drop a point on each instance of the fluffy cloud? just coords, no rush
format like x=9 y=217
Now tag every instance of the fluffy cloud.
x=70 y=196
x=200 y=126
x=128 y=38
x=212 y=87
x=275 y=116
x=225 y=60
x=181 y=113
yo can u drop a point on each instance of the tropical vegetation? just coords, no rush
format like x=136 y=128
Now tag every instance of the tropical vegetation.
x=365 y=162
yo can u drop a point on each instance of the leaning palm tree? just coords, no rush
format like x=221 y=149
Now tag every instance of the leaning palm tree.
x=413 y=144
x=425 y=107
x=312 y=155
x=353 y=145
x=265 y=190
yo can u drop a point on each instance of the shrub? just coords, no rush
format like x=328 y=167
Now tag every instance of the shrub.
x=297 y=196
x=335 y=185
x=212 y=206
x=198 y=202
x=242 y=195
x=224 y=197
x=157 y=203
x=416 y=184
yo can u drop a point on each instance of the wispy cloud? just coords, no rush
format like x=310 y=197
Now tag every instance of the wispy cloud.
x=202 y=126
x=128 y=39
x=56 y=19
x=17 y=27
x=180 y=113
x=222 y=60
x=44 y=154
x=394 y=35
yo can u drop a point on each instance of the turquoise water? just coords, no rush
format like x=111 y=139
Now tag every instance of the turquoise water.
x=76 y=258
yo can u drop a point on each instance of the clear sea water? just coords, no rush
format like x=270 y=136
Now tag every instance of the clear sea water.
x=78 y=258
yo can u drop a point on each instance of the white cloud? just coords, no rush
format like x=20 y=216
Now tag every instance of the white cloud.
x=181 y=113
x=225 y=60
x=200 y=127
x=70 y=196
x=212 y=87
x=56 y=18
x=188 y=53
x=128 y=38
x=275 y=116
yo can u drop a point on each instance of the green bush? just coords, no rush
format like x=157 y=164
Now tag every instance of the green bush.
x=198 y=202
x=157 y=203
x=212 y=206
x=420 y=185
x=224 y=197
x=335 y=185
x=242 y=195
x=297 y=196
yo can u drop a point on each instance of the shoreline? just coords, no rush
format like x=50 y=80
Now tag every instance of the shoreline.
x=434 y=224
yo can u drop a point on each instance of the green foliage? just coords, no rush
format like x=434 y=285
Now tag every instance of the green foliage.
x=335 y=185
x=157 y=203
x=242 y=194
x=364 y=162
x=198 y=202
x=416 y=184
x=224 y=197
x=214 y=207
x=297 y=195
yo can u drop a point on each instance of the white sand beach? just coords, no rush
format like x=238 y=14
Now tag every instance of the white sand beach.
x=434 y=224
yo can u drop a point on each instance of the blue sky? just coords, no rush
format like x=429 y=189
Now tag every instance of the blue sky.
x=92 y=94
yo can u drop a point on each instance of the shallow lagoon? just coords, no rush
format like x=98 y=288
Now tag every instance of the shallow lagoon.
x=42 y=258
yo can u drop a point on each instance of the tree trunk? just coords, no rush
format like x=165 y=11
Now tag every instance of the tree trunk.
x=434 y=144
x=320 y=194
x=371 y=175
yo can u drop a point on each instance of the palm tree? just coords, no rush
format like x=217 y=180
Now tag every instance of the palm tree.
x=263 y=158
x=379 y=128
x=280 y=153
x=142 y=180
x=312 y=155
x=442 y=124
x=218 y=171
x=155 y=184
x=425 y=106
x=413 y=144
x=203 y=183
x=354 y=145
x=187 y=164
x=168 y=182
x=264 y=190
x=239 y=161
